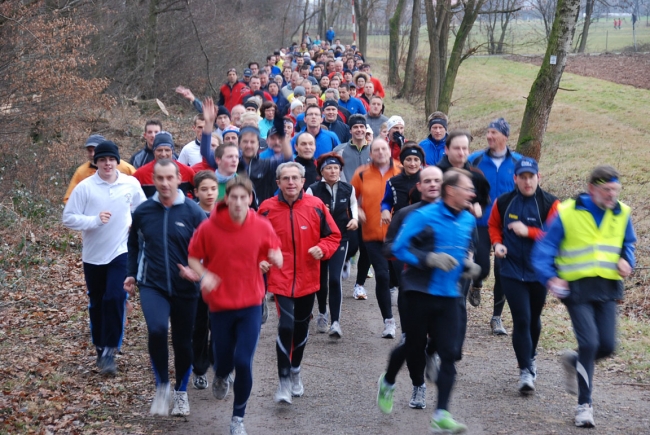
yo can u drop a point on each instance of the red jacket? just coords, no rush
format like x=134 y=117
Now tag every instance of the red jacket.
x=202 y=166
x=233 y=252
x=379 y=88
x=230 y=95
x=301 y=226
x=145 y=176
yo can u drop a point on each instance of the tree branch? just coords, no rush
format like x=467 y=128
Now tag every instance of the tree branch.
x=196 y=32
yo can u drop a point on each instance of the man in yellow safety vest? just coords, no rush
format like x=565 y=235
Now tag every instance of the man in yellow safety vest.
x=583 y=259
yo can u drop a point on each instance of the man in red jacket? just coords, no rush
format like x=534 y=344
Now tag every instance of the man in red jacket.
x=231 y=91
x=308 y=235
x=235 y=304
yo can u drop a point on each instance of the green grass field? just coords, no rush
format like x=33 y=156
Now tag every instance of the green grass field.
x=528 y=38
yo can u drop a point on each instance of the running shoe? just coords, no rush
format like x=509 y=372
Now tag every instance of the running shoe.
x=389 y=328
x=526 y=384
x=297 y=388
x=371 y=274
x=107 y=365
x=200 y=382
x=497 y=326
x=432 y=368
x=345 y=273
x=181 y=404
x=237 y=426
x=359 y=293
x=585 y=416
x=335 y=330
x=265 y=312
x=569 y=359
x=220 y=387
x=443 y=422
x=160 y=404
x=474 y=296
x=419 y=397
x=284 y=391
x=385 y=395
x=393 y=296
x=322 y=324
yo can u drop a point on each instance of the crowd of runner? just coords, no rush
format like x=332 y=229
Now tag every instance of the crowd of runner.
x=294 y=174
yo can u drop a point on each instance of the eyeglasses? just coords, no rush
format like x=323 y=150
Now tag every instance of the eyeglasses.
x=466 y=189
x=612 y=190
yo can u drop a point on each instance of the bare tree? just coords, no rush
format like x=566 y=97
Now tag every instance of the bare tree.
x=544 y=88
x=499 y=14
x=582 y=37
x=438 y=24
x=393 y=43
x=363 y=10
x=545 y=9
x=409 y=71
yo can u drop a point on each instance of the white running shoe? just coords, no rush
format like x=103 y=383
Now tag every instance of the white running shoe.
x=284 y=391
x=321 y=323
x=335 y=330
x=297 y=388
x=181 y=404
x=221 y=386
x=160 y=404
x=371 y=274
x=237 y=426
x=389 y=328
x=526 y=384
x=345 y=274
x=419 y=397
x=359 y=293
x=394 y=292
x=585 y=416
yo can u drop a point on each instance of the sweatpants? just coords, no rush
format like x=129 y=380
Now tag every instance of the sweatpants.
x=107 y=301
x=201 y=343
x=235 y=335
x=482 y=258
x=382 y=277
x=159 y=309
x=594 y=325
x=438 y=317
x=526 y=301
x=293 y=330
x=330 y=281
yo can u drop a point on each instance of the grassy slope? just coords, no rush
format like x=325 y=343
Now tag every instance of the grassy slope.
x=527 y=37
x=598 y=123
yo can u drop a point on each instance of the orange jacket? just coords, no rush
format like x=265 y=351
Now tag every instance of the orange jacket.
x=86 y=170
x=370 y=186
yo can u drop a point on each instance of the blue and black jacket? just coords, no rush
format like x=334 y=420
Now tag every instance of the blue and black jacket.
x=166 y=232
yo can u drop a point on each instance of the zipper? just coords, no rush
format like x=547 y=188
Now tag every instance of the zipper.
x=293 y=241
x=169 y=281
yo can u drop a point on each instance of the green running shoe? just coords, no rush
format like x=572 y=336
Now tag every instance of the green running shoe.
x=446 y=424
x=385 y=395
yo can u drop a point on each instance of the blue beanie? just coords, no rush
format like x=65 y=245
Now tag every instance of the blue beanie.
x=501 y=125
x=164 y=139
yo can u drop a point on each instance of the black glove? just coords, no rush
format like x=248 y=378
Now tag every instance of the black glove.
x=278 y=123
x=471 y=270
x=398 y=138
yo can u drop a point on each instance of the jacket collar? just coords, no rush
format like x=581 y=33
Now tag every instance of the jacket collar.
x=580 y=204
x=281 y=197
x=180 y=198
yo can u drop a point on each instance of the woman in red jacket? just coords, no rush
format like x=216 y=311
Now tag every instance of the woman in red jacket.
x=233 y=242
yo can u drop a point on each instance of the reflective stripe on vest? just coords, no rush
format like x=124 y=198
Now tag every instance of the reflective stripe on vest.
x=588 y=250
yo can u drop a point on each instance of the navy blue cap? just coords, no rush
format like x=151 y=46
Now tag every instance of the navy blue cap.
x=526 y=164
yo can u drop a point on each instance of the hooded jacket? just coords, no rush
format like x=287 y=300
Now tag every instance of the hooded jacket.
x=232 y=251
x=166 y=232
x=300 y=226
x=433 y=149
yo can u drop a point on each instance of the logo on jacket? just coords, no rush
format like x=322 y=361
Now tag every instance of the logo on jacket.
x=304 y=227
x=180 y=224
x=128 y=197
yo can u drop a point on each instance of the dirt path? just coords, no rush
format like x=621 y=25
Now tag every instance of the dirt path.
x=340 y=380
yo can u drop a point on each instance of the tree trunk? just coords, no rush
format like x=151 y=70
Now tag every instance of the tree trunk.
x=505 y=20
x=151 y=43
x=284 y=22
x=362 y=10
x=542 y=93
x=322 y=18
x=393 y=44
x=589 y=8
x=409 y=71
x=472 y=8
x=304 y=22
x=436 y=17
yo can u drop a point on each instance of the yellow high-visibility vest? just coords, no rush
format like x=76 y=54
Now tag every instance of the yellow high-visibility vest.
x=588 y=250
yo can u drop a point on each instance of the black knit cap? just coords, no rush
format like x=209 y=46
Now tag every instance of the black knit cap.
x=106 y=148
x=411 y=151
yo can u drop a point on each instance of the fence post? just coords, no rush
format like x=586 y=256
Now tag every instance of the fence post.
x=606 y=40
